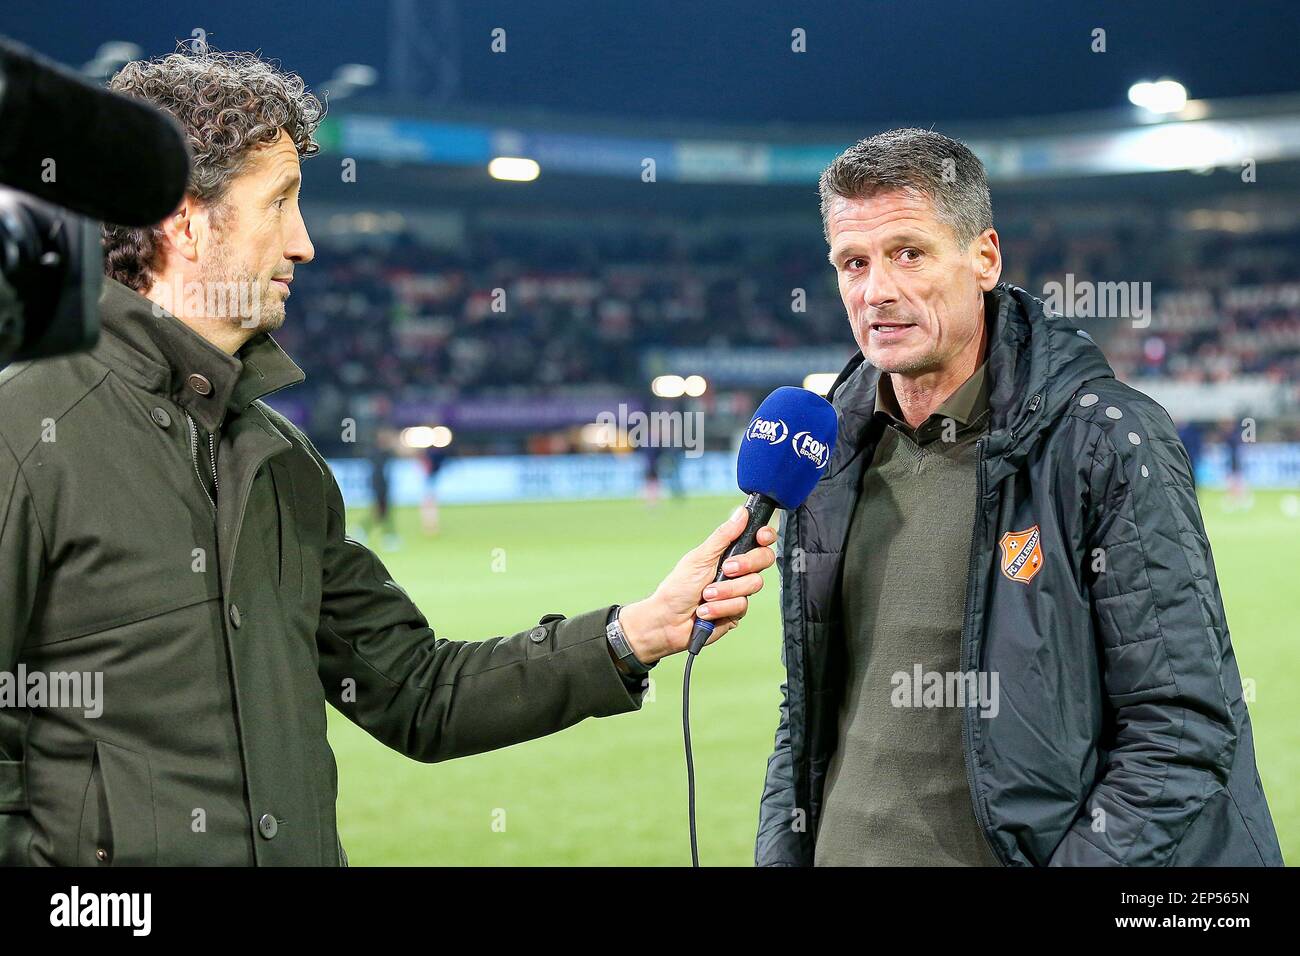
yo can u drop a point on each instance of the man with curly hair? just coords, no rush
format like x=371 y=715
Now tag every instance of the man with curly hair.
x=166 y=535
x=239 y=231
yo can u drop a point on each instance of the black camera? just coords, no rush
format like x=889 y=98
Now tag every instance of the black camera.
x=51 y=269
x=71 y=155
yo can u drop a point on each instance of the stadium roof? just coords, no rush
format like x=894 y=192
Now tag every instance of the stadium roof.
x=875 y=62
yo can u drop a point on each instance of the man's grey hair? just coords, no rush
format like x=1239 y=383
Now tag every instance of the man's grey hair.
x=919 y=161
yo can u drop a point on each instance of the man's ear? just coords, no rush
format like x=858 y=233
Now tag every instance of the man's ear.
x=184 y=229
x=988 y=259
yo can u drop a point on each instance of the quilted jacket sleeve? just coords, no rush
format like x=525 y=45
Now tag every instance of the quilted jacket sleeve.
x=1159 y=620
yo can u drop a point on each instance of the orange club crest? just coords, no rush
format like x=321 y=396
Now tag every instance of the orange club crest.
x=1022 y=554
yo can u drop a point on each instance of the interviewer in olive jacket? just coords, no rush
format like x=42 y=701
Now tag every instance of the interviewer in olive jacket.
x=1066 y=558
x=164 y=528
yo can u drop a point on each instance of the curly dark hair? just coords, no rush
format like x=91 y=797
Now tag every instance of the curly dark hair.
x=227 y=104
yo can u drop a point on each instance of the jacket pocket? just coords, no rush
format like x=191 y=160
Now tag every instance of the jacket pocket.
x=302 y=521
x=15 y=828
x=117 y=818
x=13 y=787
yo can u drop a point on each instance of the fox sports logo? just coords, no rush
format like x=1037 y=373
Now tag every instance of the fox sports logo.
x=805 y=446
x=772 y=431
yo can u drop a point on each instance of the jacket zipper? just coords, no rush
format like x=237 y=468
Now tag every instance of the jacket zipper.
x=212 y=457
x=968 y=656
x=1033 y=407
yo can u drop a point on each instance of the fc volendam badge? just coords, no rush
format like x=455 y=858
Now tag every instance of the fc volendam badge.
x=1022 y=554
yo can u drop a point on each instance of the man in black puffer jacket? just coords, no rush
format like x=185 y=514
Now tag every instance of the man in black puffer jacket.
x=1003 y=635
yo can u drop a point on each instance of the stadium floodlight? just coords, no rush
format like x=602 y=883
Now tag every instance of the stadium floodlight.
x=348 y=78
x=695 y=385
x=418 y=436
x=425 y=436
x=599 y=434
x=819 y=382
x=110 y=57
x=514 y=169
x=1162 y=97
x=668 y=386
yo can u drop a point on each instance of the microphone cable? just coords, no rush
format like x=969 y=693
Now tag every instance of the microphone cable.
x=690 y=763
x=759 y=508
x=702 y=630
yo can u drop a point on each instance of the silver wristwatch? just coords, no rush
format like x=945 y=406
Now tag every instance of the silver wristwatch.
x=622 y=648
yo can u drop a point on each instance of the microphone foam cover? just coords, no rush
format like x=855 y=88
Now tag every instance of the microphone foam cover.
x=787 y=446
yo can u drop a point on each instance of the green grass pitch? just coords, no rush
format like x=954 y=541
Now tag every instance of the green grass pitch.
x=612 y=792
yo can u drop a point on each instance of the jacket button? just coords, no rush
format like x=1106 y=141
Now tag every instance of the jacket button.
x=537 y=635
x=160 y=417
x=235 y=617
x=268 y=826
x=101 y=855
x=200 y=384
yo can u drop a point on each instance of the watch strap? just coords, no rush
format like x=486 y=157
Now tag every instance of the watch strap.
x=622 y=648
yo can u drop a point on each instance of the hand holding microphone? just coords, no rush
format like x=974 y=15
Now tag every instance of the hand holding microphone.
x=786 y=448
x=663 y=623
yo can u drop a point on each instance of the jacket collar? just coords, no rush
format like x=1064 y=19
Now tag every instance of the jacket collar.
x=161 y=354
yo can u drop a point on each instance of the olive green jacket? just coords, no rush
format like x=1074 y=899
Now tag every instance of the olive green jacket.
x=219 y=632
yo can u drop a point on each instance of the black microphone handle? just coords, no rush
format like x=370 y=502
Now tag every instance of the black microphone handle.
x=760 y=508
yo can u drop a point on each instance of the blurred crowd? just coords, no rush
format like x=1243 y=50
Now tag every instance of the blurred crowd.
x=502 y=314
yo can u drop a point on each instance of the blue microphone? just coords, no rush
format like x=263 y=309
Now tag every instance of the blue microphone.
x=786 y=449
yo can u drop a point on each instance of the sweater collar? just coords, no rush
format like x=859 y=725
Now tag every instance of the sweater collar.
x=160 y=353
x=966 y=406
